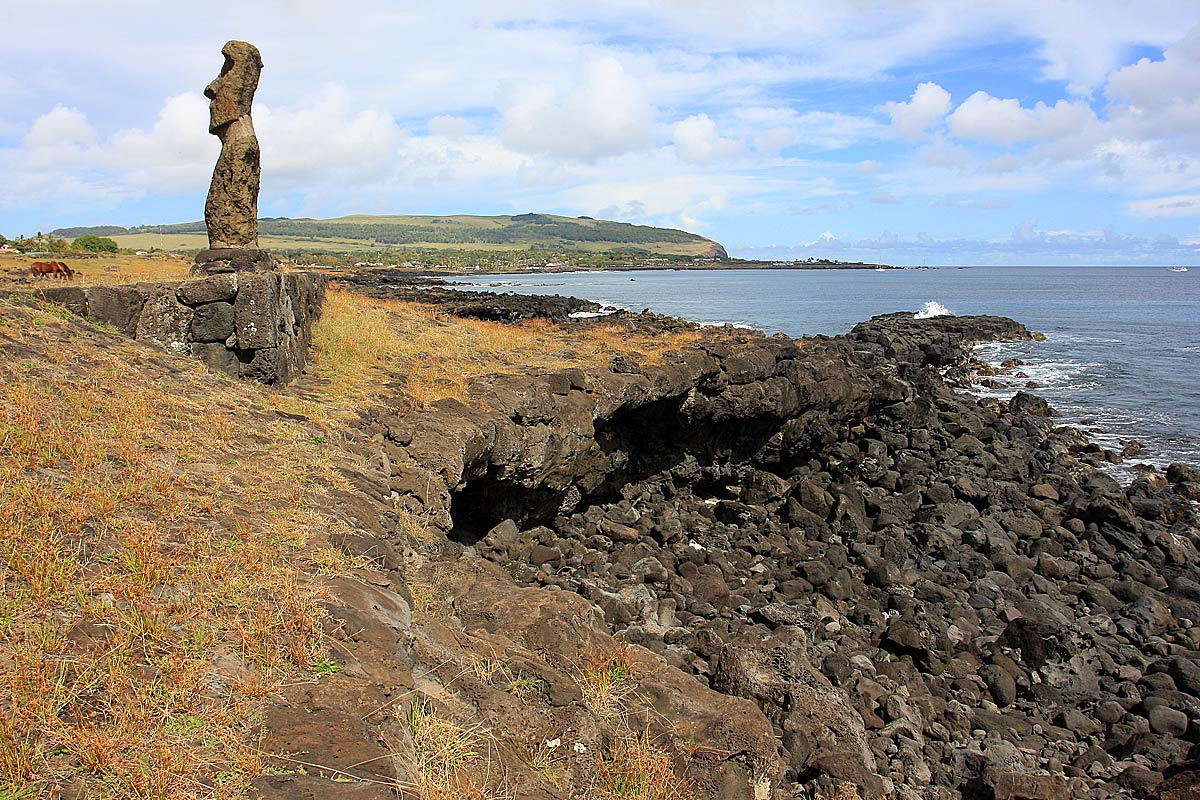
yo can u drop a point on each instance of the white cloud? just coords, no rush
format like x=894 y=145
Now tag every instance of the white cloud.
x=929 y=103
x=1027 y=233
x=450 y=125
x=1005 y=121
x=659 y=200
x=1160 y=99
x=823 y=130
x=884 y=198
x=868 y=167
x=175 y=155
x=944 y=155
x=697 y=142
x=772 y=140
x=1147 y=167
x=323 y=138
x=1180 y=205
x=604 y=112
x=60 y=127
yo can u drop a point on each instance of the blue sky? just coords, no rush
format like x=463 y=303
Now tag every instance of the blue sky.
x=915 y=132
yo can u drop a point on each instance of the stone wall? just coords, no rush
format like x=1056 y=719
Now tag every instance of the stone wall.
x=255 y=326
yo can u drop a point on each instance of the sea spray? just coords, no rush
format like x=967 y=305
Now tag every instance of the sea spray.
x=933 y=309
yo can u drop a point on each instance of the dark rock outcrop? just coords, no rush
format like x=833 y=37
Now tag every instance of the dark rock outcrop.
x=926 y=594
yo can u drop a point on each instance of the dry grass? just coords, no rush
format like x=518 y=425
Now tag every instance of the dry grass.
x=639 y=769
x=363 y=343
x=843 y=791
x=450 y=761
x=606 y=679
x=103 y=271
x=153 y=533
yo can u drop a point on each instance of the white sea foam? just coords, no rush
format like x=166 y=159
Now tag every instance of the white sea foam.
x=590 y=314
x=933 y=309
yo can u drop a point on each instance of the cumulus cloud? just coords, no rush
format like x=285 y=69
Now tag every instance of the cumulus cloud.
x=174 y=155
x=911 y=120
x=1160 y=99
x=63 y=158
x=697 y=142
x=61 y=126
x=1027 y=232
x=323 y=137
x=604 y=112
x=884 y=198
x=1006 y=121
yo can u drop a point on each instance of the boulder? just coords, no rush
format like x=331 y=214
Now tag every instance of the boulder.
x=257 y=312
x=213 y=322
x=166 y=322
x=216 y=288
x=118 y=306
x=818 y=722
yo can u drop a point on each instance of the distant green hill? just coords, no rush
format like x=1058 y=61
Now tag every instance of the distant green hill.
x=362 y=231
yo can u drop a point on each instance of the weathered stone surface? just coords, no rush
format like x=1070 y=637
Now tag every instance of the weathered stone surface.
x=817 y=721
x=1007 y=784
x=270 y=365
x=73 y=298
x=118 y=306
x=734 y=755
x=213 y=322
x=218 y=358
x=263 y=335
x=1167 y=720
x=257 y=312
x=208 y=290
x=231 y=210
x=225 y=260
x=166 y=322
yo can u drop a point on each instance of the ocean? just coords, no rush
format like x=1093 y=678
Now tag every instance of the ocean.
x=1122 y=352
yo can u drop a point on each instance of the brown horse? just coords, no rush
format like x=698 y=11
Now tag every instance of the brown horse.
x=51 y=269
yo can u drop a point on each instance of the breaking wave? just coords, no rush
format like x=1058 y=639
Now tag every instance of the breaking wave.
x=933 y=309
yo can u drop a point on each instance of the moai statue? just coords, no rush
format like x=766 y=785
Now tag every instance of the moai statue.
x=231 y=211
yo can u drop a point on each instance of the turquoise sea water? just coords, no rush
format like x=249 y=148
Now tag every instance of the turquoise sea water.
x=1121 y=359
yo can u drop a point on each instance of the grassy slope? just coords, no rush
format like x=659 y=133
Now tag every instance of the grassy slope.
x=165 y=533
x=159 y=531
x=468 y=232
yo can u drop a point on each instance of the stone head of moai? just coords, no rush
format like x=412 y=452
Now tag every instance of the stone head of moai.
x=232 y=92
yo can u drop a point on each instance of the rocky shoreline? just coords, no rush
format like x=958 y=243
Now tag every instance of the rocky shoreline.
x=926 y=594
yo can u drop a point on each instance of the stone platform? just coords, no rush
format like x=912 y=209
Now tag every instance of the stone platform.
x=249 y=325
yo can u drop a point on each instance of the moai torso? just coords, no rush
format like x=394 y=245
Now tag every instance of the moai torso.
x=231 y=211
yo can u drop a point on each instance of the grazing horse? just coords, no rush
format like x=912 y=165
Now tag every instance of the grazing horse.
x=50 y=269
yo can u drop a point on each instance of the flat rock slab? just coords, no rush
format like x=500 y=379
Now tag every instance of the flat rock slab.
x=234 y=259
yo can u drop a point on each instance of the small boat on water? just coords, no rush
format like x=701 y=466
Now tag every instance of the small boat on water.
x=881 y=269
x=1178 y=269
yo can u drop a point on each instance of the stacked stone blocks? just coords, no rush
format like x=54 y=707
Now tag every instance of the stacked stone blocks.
x=250 y=325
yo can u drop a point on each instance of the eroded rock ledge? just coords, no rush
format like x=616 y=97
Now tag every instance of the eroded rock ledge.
x=926 y=594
